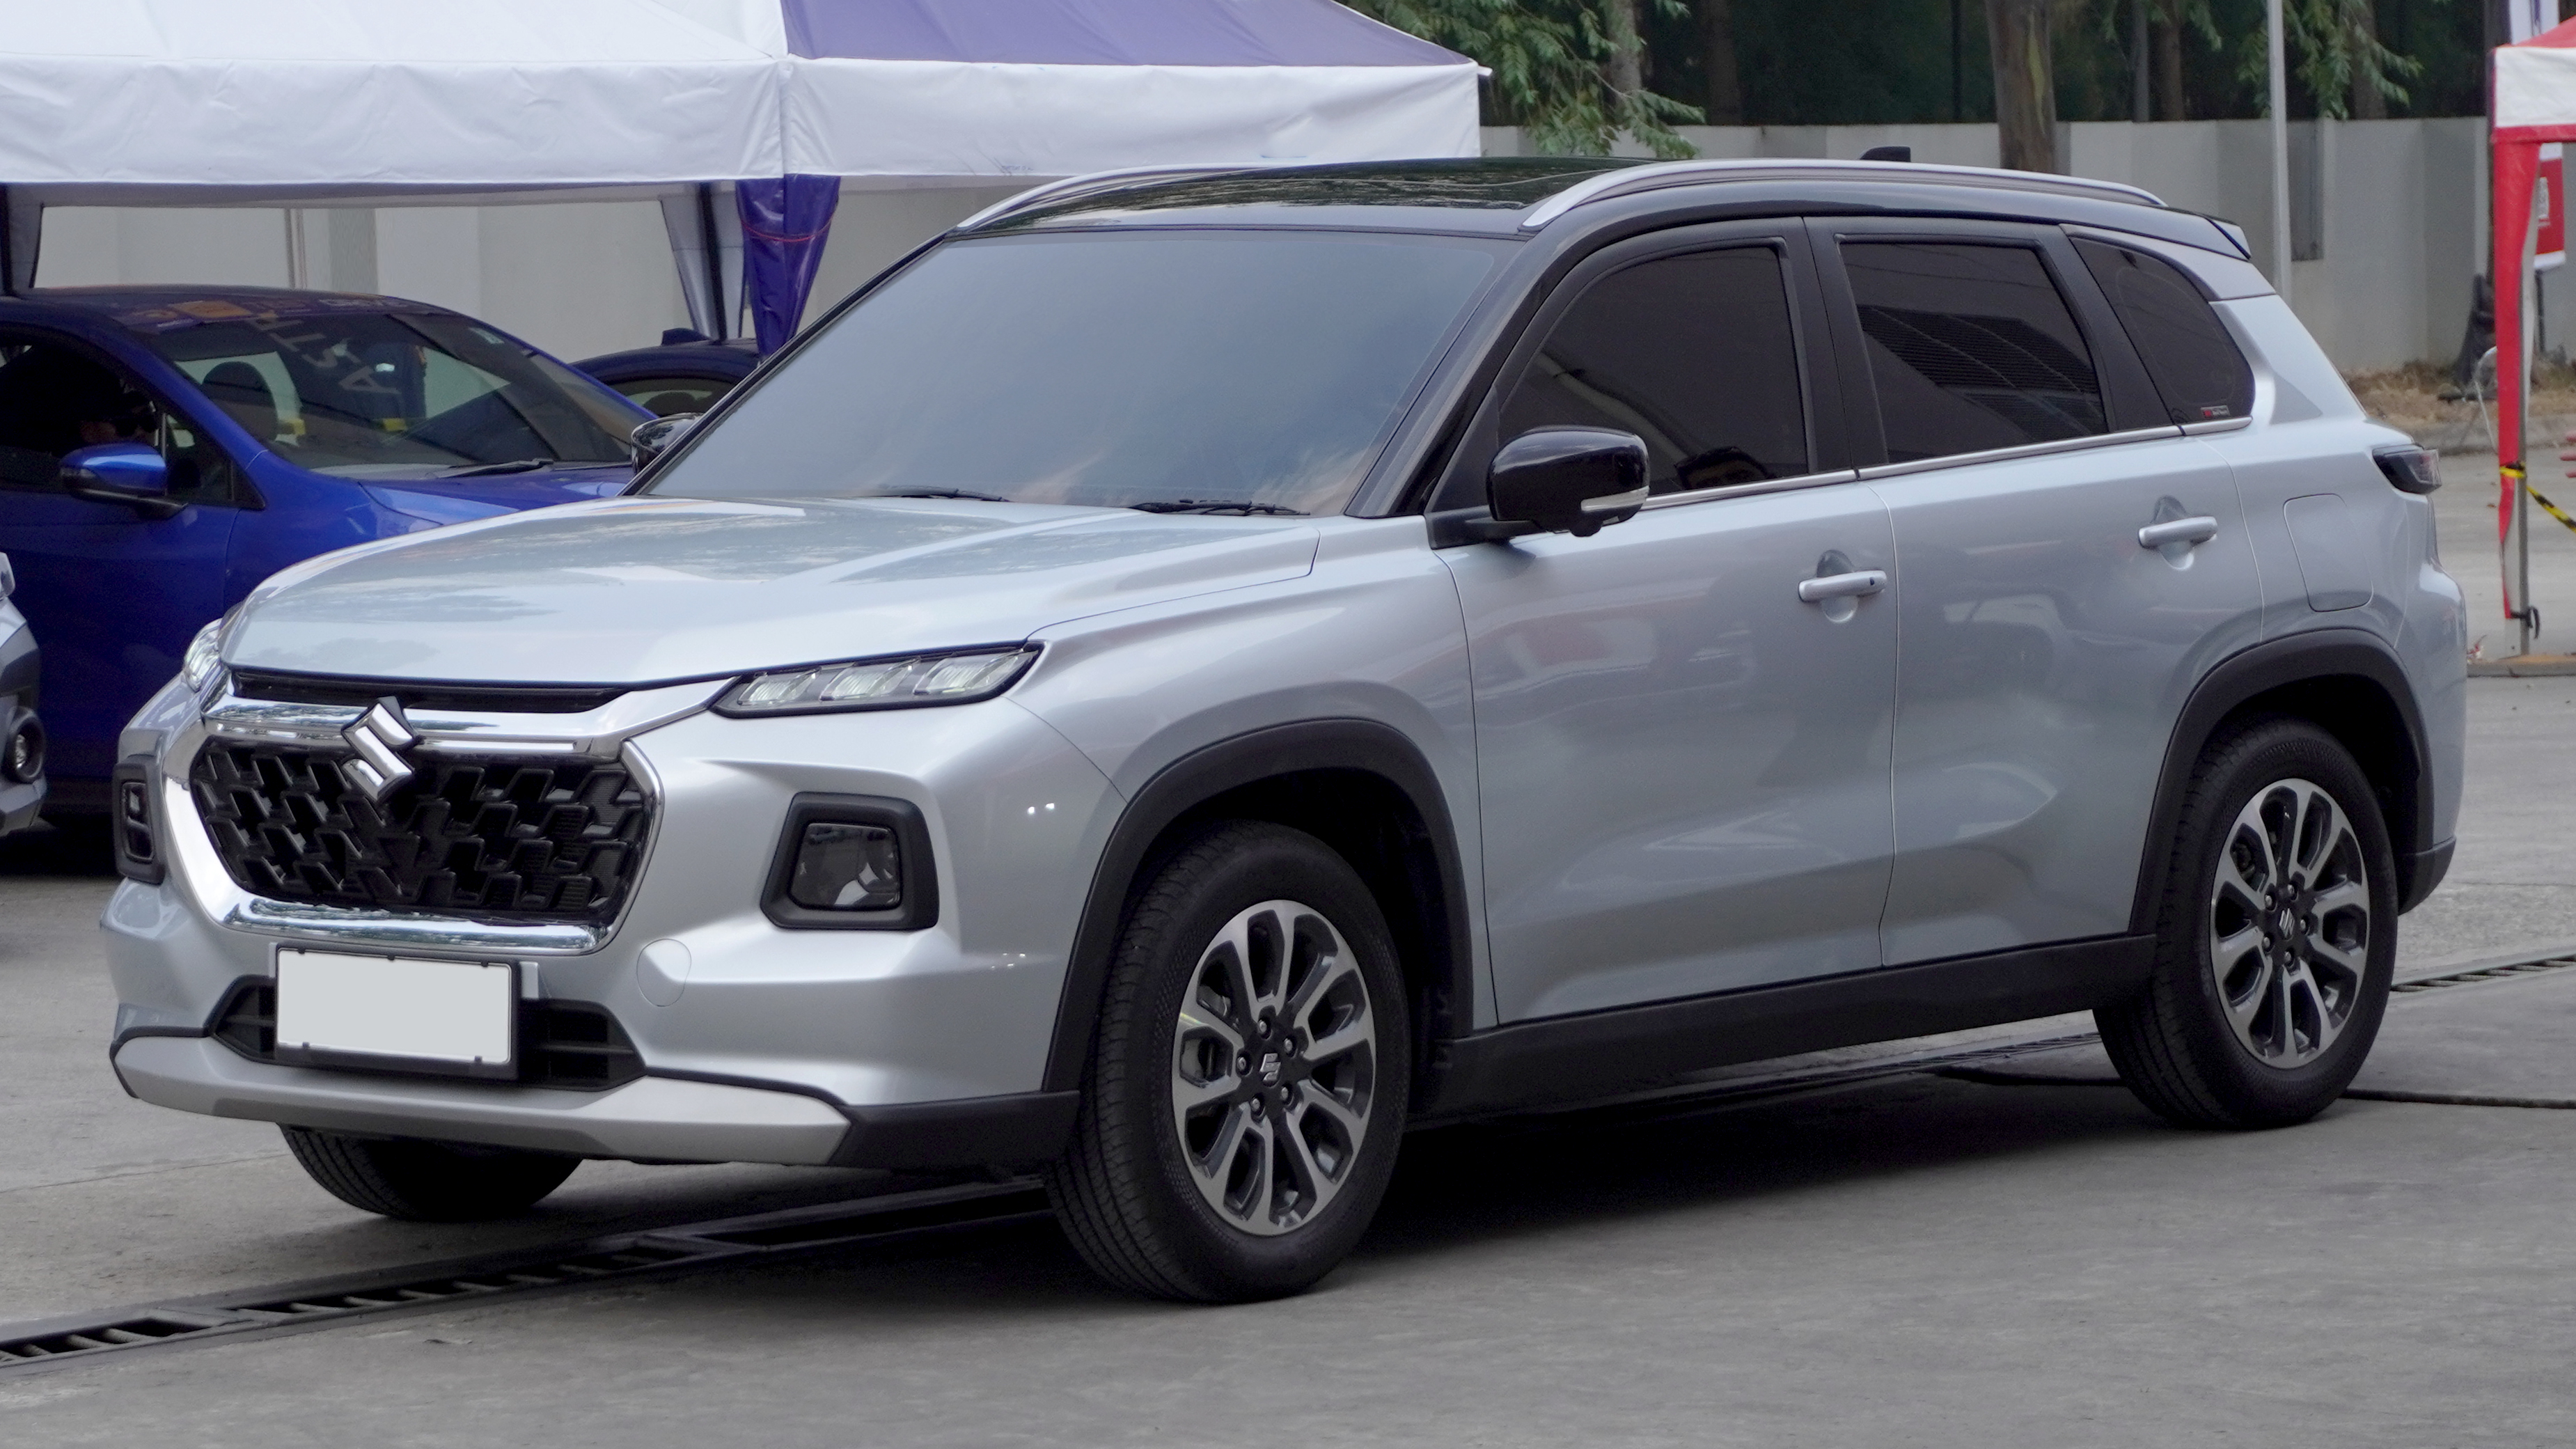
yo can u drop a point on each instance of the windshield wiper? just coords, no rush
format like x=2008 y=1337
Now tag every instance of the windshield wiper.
x=485 y=470
x=938 y=493
x=1212 y=505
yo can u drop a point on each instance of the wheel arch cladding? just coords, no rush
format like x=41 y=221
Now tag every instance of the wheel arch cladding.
x=1362 y=788
x=2347 y=683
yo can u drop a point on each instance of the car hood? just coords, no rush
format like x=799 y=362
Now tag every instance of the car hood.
x=636 y=590
x=462 y=500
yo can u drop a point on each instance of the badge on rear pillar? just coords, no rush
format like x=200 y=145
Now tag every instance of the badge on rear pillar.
x=377 y=735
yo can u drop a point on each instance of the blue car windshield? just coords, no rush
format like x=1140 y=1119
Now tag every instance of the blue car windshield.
x=393 y=394
x=1217 y=371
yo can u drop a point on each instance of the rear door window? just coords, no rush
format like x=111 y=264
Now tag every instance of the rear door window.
x=1971 y=348
x=1694 y=354
x=2199 y=374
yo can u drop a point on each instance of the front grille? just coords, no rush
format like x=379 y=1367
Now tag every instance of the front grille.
x=553 y=838
x=567 y=1044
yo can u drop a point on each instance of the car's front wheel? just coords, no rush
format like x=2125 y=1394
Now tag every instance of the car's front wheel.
x=430 y=1182
x=1245 y=1092
x=2276 y=938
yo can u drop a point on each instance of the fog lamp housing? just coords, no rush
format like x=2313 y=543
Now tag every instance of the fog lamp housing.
x=852 y=863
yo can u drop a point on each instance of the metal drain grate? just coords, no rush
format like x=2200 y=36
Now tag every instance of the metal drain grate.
x=2484 y=973
x=38 y=1346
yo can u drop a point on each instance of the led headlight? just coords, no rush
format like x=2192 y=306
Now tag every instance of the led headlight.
x=955 y=677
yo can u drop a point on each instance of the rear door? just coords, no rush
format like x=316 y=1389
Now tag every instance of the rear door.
x=2047 y=650
x=1683 y=766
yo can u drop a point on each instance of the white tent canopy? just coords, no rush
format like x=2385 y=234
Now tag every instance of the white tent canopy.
x=305 y=102
x=324 y=93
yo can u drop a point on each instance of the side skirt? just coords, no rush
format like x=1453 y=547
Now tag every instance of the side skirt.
x=1568 y=1058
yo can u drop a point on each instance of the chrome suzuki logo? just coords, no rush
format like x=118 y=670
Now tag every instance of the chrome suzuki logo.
x=377 y=736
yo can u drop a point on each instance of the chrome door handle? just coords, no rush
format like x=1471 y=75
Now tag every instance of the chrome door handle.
x=2182 y=530
x=1841 y=586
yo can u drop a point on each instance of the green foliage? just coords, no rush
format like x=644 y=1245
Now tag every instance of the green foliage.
x=2327 y=43
x=1551 y=62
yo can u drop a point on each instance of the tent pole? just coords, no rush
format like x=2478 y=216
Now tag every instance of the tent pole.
x=713 y=252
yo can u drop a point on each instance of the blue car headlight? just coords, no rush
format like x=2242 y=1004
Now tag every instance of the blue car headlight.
x=908 y=681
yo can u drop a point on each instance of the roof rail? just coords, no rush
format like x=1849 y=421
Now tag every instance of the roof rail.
x=1090 y=183
x=1630 y=180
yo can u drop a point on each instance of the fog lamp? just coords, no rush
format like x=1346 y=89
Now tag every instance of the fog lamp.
x=842 y=867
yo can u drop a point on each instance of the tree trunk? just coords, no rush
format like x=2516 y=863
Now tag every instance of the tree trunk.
x=2025 y=84
x=2367 y=103
x=2169 y=102
x=1626 y=71
x=1717 y=54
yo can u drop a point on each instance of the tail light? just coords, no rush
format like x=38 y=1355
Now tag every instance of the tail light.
x=2410 y=470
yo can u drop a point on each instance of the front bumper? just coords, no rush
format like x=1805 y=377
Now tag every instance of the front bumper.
x=919 y=1048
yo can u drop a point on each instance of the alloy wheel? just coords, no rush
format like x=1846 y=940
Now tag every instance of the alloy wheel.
x=1274 y=1066
x=2289 y=923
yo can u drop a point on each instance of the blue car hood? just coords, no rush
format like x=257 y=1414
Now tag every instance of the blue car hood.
x=636 y=590
x=463 y=500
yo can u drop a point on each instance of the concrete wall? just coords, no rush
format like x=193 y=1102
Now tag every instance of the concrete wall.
x=2401 y=232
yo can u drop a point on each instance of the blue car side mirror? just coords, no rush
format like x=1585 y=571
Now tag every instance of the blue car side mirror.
x=131 y=474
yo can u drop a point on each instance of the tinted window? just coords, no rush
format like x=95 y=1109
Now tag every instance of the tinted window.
x=1693 y=354
x=1971 y=347
x=2197 y=370
x=1119 y=370
x=53 y=400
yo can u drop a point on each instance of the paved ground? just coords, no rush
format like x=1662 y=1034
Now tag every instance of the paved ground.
x=2466 y=508
x=1922 y=1261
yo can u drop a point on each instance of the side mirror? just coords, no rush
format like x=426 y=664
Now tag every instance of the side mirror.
x=655 y=438
x=1568 y=480
x=131 y=474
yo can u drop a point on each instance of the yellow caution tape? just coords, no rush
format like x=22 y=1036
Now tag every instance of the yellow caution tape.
x=2553 y=509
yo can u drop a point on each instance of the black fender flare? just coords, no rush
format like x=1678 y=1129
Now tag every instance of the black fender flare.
x=2315 y=657
x=1347 y=745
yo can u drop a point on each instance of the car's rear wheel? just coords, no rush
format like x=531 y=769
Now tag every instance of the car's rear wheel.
x=430 y=1182
x=2276 y=938
x=1245 y=1091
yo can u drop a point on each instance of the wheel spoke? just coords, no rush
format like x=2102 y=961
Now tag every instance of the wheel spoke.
x=2341 y=895
x=2241 y=1010
x=2341 y=961
x=1189 y=1096
x=1305 y=1174
x=1323 y=1102
x=1332 y=970
x=1350 y=1036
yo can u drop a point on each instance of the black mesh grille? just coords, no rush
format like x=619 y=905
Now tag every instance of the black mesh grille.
x=555 y=838
x=566 y=1044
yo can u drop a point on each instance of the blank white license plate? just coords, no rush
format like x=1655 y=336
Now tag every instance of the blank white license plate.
x=397 y=1012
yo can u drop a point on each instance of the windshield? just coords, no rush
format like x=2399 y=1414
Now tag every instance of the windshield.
x=1208 y=370
x=397 y=394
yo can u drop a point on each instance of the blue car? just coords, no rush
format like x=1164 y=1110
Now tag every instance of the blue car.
x=163 y=449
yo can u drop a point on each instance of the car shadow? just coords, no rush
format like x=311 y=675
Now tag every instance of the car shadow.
x=71 y=848
x=1464 y=1192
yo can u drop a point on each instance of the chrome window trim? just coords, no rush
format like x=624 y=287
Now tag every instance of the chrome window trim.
x=1628 y=181
x=1748 y=490
x=2216 y=425
x=2025 y=450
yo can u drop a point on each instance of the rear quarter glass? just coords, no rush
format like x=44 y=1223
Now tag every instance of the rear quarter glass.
x=2198 y=372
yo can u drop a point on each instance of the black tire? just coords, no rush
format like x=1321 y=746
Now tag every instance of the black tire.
x=427 y=1182
x=1125 y=1190
x=2176 y=1044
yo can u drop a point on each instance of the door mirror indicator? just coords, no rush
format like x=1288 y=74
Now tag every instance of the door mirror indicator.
x=653 y=439
x=1566 y=480
x=131 y=474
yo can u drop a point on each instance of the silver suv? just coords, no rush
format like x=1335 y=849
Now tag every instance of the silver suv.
x=1191 y=675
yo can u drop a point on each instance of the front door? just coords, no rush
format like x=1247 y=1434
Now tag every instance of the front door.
x=1683 y=765
x=113 y=596
x=2048 y=648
